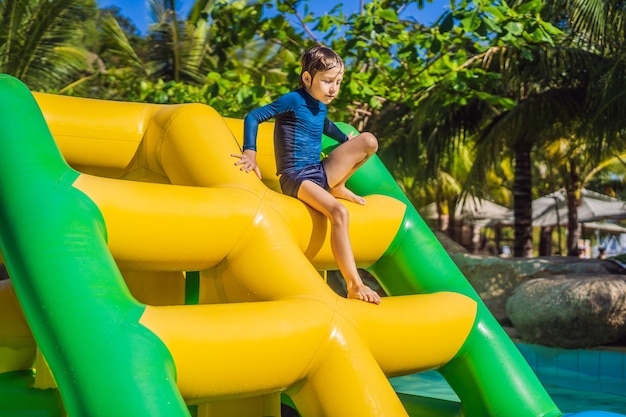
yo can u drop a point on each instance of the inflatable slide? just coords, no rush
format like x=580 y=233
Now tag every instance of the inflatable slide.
x=149 y=276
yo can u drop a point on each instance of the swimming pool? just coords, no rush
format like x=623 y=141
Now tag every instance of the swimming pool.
x=577 y=380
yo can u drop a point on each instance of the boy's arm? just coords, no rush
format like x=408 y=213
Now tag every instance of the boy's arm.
x=259 y=115
x=251 y=124
x=247 y=160
x=331 y=130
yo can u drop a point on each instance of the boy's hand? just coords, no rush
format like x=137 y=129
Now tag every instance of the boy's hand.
x=247 y=160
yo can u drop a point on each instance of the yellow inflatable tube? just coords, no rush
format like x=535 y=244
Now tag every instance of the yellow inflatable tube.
x=259 y=231
x=266 y=323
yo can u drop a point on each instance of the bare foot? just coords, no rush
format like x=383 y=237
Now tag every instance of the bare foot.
x=364 y=293
x=342 y=192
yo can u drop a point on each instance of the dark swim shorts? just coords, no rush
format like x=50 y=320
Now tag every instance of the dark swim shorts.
x=290 y=182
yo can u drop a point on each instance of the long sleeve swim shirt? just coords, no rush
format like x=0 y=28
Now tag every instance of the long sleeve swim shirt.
x=300 y=122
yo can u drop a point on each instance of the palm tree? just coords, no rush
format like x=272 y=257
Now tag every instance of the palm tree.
x=551 y=89
x=569 y=162
x=41 y=41
x=178 y=46
x=219 y=48
x=496 y=122
x=597 y=28
x=216 y=36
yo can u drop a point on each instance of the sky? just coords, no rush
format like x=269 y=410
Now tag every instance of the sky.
x=137 y=10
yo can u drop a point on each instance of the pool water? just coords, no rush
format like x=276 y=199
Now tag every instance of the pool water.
x=577 y=380
x=571 y=401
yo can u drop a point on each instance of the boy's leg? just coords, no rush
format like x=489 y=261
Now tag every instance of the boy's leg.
x=344 y=160
x=322 y=201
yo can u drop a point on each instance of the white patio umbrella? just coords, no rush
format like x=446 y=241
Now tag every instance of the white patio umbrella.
x=605 y=227
x=551 y=209
x=470 y=209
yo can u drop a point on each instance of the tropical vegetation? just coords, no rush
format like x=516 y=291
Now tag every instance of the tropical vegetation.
x=504 y=100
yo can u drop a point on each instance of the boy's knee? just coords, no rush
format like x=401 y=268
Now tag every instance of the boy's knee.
x=339 y=214
x=370 y=142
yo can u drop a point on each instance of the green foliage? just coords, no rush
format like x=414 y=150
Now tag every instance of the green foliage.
x=499 y=23
x=451 y=103
x=231 y=94
x=41 y=41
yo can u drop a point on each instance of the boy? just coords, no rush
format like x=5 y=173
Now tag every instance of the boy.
x=300 y=121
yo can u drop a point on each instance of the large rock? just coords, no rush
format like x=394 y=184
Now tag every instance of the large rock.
x=568 y=312
x=496 y=278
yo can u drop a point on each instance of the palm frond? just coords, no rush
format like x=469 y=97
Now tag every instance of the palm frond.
x=117 y=43
x=35 y=37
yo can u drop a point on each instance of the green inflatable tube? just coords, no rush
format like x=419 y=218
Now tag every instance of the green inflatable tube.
x=83 y=316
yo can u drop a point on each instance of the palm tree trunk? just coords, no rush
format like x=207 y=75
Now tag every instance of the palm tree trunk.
x=442 y=214
x=522 y=201
x=573 y=201
x=452 y=221
x=175 y=41
x=545 y=241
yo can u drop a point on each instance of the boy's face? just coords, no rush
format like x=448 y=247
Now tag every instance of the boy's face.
x=325 y=85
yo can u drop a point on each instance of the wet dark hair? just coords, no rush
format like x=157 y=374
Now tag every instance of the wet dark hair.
x=319 y=59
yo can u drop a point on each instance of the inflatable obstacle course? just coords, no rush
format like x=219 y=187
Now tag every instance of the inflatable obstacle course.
x=156 y=278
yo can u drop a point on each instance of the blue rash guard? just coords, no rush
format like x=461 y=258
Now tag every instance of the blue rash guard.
x=300 y=122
